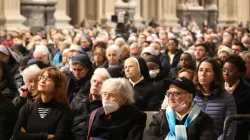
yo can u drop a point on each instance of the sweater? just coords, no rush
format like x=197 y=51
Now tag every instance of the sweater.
x=40 y=119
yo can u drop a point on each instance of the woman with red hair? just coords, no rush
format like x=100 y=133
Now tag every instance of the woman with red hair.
x=49 y=117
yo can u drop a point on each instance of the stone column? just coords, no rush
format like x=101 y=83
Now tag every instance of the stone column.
x=243 y=11
x=10 y=16
x=227 y=13
x=81 y=10
x=211 y=5
x=61 y=18
x=222 y=19
x=145 y=10
x=137 y=18
x=169 y=17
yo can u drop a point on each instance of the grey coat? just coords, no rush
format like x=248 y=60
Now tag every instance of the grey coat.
x=219 y=108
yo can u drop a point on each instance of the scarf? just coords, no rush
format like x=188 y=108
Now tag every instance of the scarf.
x=178 y=132
x=232 y=88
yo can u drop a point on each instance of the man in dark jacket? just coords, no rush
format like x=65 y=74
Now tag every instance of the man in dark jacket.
x=8 y=117
x=182 y=119
x=78 y=81
x=82 y=105
x=137 y=72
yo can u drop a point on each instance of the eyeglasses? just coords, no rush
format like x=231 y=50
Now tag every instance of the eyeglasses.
x=45 y=78
x=228 y=70
x=174 y=93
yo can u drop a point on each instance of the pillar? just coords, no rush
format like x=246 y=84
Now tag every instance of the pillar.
x=61 y=18
x=137 y=18
x=169 y=17
x=108 y=11
x=243 y=11
x=10 y=16
x=227 y=13
x=211 y=5
x=145 y=10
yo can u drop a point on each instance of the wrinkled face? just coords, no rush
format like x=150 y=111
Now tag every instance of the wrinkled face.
x=236 y=49
x=135 y=52
x=223 y=56
x=31 y=83
x=205 y=73
x=40 y=56
x=46 y=84
x=178 y=96
x=171 y=46
x=85 y=43
x=96 y=84
x=131 y=69
x=112 y=57
x=230 y=73
x=200 y=53
x=186 y=60
x=110 y=93
x=98 y=55
x=79 y=71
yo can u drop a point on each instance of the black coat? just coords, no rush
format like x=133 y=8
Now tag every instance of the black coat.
x=200 y=129
x=127 y=123
x=146 y=97
x=176 y=58
x=242 y=99
x=81 y=108
x=8 y=117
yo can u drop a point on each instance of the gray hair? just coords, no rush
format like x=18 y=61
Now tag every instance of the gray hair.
x=134 y=45
x=247 y=54
x=120 y=40
x=123 y=88
x=115 y=48
x=32 y=70
x=42 y=48
x=101 y=72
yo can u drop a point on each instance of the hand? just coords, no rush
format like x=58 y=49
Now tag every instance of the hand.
x=23 y=91
x=50 y=136
x=23 y=130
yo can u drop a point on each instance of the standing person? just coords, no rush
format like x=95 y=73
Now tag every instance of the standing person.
x=212 y=98
x=83 y=105
x=182 y=116
x=118 y=119
x=49 y=117
x=233 y=71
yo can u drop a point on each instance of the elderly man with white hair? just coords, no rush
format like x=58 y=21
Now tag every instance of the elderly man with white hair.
x=42 y=53
x=119 y=41
x=84 y=104
x=28 y=90
x=118 y=119
x=113 y=54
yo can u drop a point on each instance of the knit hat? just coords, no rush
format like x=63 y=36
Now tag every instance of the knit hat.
x=82 y=59
x=149 y=50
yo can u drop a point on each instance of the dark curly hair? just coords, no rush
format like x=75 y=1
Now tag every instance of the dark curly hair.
x=238 y=62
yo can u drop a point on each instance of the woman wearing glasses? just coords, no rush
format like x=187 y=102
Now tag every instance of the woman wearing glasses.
x=212 y=98
x=233 y=70
x=182 y=119
x=49 y=117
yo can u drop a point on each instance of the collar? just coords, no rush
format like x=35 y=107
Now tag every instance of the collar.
x=134 y=83
x=233 y=87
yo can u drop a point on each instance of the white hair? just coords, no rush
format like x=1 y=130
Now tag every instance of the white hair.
x=132 y=39
x=43 y=49
x=134 y=45
x=75 y=48
x=115 y=48
x=31 y=70
x=101 y=72
x=120 y=40
x=122 y=87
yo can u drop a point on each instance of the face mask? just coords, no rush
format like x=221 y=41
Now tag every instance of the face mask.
x=180 y=107
x=109 y=106
x=154 y=73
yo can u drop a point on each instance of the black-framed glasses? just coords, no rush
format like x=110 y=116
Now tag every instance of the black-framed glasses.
x=174 y=93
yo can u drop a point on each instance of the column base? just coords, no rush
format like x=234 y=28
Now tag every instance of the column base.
x=12 y=23
x=62 y=21
x=138 y=21
x=223 y=23
x=170 y=21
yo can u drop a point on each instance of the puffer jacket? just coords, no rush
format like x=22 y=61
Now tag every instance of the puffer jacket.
x=219 y=108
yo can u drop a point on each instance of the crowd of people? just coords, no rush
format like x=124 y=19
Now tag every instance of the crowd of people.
x=91 y=83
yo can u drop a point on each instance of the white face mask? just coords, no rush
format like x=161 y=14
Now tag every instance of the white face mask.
x=109 y=106
x=154 y=73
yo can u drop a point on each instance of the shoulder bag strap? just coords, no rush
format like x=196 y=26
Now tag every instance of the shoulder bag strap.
x=91 y=120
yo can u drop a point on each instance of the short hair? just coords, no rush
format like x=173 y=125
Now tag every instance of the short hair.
x=134 y=45
x=247 y=54
x=120 y=39
x=43 y=49
x=175 y=41
x=237 y=43
x=116 y=48
x=32 y=70
x=191 y=72
x=64 y=44
x=204 y=45
x=217 y=83
x=122 y=87
x=237 y=61
x=101 y=72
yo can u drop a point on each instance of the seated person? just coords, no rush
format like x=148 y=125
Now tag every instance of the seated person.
x=182 y=119
x=118 y=119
